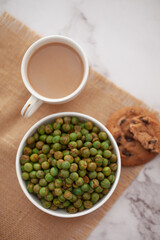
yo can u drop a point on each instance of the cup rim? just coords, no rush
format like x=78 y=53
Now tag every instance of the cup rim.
x=51 y=117
x=68 y=41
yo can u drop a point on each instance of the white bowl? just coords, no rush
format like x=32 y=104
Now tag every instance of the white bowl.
x=34 y=199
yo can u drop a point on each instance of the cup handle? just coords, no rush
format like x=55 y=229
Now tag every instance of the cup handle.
x=31 y=106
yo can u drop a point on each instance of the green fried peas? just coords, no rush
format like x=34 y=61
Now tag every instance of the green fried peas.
x=49 y=128
x=45 y=148
x=49 y=177
x=25 y=176
x=54 y=171
x=74 y=176
x=96 y=144
x=82 y=165
x=106 y=171
x=94 y=197
x=24 y=159
x=105 y=183
x=102 y=136
x=43 y=191
x=68 y=164
x=28 y=167
x=107 y=154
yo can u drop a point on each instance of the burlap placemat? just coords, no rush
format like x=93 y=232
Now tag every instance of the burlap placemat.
x=19 y=219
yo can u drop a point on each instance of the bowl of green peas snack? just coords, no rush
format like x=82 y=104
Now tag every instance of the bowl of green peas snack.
x=68 y=164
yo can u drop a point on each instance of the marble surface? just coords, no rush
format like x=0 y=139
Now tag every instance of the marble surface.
x=122 y=42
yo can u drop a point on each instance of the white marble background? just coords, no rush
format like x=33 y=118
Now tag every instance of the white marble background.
x=122 y=42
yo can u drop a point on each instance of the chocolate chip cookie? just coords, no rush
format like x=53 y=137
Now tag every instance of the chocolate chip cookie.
x=123 y=125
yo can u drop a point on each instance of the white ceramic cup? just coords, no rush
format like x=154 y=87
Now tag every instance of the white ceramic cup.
x=36 y=99
x=33 y=198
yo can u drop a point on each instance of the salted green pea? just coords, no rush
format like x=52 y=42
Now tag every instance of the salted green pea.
x=43 y=182
x=32 y=174
x=49 y=128
x=94 y=197
x=27 y=151
x=56 y=202
x=66 y=203
x=74 y=152
x=42 y=158
x=81 y=208
x=105 y=191
x=113 y=158
x=61 y=198
x=74 y=198
x=51 y=186
x=95 y=129
x=68 y=158
x=88 y=125
x=41 y=130
x=99 y=152
x=43 y=137
x=58 y=191
x=65 y=152
x=85 y=187
x=36 y=188
x=25 y=176
x=78 y=191
x=22 y=168
x=36 y=136
x=94 y=183
x=73 y=136
x=56 y=125
x=88 y=204
x=96 y=144
x=65 y=165
x=98 y=189
x=82 y=173
x=46 y=204
x=111 y=178
x=86 y=196
x=54 y=171
x=59 y=163
x=72 y=209
x=28 y=167
x=49 y=139
x=74 y=176
x=64 y=173
x=107 y=154
x=58 y=183
x=113 y=166
x=102 y=136
x=56 y=139
x=66 y=127
x=45 y=148
x=105 y=183
x=92 y=174
x=68 y=195
x=78 y=203
x=91 y=190
x=93 y=151
x=79 y=143
x=79 y=181
x=74 y=120
x=100 y=176
x=49 y=197
x=87 y=144
x=98 y=160
x=104 y=146
x=56 y=133
x=58 y=155
x=30 y=187
x=59 y=120
x=30 y=140
x=84 y=131
x=82 y=165
x=36 y=166
x=77 y=159
x=56 y=146
x=24 y=159
x=39 y=145
x=85 y=152
x=45 y=165
x=106 y=171
x=73 y=167
x=105 y=162
x=35 y=150
x=40 y=174
x=49 y=177
x=69 y=180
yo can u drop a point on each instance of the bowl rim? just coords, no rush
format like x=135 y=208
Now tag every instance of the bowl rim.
x=52 y=117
